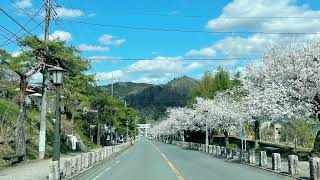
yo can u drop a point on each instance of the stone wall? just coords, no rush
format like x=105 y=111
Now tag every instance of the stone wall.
x=79 y=163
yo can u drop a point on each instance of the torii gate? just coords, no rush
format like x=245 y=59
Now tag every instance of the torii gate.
x=145 y=127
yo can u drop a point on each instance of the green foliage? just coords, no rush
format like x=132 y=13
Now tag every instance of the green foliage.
x=211 y=83
x=153 y=101
x=298 y=133
x=122 y=89
x=232 y=146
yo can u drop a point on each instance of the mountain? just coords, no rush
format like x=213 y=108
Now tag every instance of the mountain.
x=154 y=99
x=122 y=89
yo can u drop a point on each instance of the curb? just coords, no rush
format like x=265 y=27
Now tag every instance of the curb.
x=244 y=163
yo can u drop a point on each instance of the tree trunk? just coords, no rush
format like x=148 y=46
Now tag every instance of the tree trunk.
x=256 y=133
x=20 y=132
x=43 y=116
x=226 y=138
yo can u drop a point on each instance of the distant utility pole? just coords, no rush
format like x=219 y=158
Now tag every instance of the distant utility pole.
x=44 y=100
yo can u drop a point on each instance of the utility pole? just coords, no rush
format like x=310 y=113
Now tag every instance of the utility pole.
x=44 y=100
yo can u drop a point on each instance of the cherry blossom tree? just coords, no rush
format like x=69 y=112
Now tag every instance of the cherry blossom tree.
x=286 y=85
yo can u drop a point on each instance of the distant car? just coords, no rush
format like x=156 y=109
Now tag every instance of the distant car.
x=150 y=137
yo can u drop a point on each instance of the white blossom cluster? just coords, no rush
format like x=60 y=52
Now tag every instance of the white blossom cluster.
x=284 y=86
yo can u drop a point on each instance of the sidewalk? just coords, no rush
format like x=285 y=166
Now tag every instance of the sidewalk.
x=33 y=170
x=30 y=170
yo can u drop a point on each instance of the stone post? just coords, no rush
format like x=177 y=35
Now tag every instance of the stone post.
x=246 y=157
x=73 y=163
x=223 y=152
x=218 y=151
x=314 y=168
x=276 y=162
x=252 y=157
x=229 y=153
x=68 y=167
x=87 y=160
x=54 y=170
x=263 y=159
x=236 y=155
x=214 y=150
x=210 y=149
x=293 y=165
x=79 y=165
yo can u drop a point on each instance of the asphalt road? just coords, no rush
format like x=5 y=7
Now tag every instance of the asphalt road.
x=152 y=160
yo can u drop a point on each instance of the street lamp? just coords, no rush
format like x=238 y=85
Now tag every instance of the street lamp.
x=57 y=74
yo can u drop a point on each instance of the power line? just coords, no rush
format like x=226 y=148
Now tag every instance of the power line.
x=192 y=31
x=225 y=17
x=186 y=30
x=20 y=38
x=31 y=19
x=61 y=26
x=7 y=39
x=173 y=59
x=30 y=15
x=15 y=21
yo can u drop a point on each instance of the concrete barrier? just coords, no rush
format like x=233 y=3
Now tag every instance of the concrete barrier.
x=218 y=151
x=54 y=173
x=214 y=150
x=293 y=165
x=276 y=162
x=210 y=149
x=252 y=157
x=81 y=162
x=263 y=159
x=314 y=168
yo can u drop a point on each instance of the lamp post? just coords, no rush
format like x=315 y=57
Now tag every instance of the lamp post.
x=57 y=74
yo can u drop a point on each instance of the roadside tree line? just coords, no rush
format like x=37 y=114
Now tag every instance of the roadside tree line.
x=285 y=86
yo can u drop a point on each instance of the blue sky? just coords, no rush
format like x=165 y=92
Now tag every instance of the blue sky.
x=160 y=54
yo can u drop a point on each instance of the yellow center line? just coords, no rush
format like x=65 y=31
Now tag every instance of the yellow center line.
x=170 y=164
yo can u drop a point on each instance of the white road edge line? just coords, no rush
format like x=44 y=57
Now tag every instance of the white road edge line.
x=101 y=173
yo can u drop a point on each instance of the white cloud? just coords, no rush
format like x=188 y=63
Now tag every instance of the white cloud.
x=151 y=80
x=68 y=13
x=202 y=52
x=263 y=8
x=86 y=47
x=256 y=44
x=60 y=36
x=23 y=4
x=108 y=39
x=157 y=70
x=107 y=76
x=159 y=64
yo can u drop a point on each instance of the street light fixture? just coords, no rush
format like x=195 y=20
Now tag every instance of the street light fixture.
x=57 y=74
